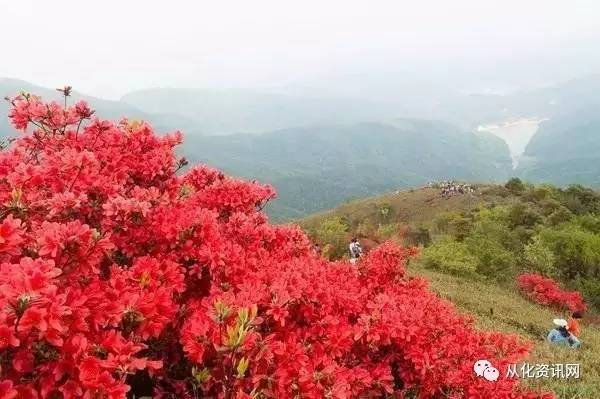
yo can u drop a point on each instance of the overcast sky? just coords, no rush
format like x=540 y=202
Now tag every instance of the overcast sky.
x=109 y=47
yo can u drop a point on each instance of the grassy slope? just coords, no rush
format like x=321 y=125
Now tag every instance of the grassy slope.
x=503 y=309
x=413 y=206
x=511 y=312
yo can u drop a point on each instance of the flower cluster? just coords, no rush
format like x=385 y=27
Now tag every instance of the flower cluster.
x=546 y=291
x=120 y=277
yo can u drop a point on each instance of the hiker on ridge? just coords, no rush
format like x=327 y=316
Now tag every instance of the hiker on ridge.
x=355 y=250
x=317 y=249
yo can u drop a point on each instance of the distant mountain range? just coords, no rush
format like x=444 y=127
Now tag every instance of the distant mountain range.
x=320 y=151
x=229 y=111
x=106 y=109
x=565 y=150
x=316 y=168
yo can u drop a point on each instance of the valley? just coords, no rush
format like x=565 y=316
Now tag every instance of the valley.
x=319 y=152
x=517 y=133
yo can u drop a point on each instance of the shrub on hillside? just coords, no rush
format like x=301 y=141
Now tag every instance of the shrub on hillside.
x=581 y=200
x=521 y=214
x=364 y=229
x=495 y=190
x=416 y=236
x=539 y=257
x=494 y=244
x=497 y=225
x=548 y=206
x=387 y=231
x=589 y=222
x=334 y=233
x=120 y=277
x=449 y=256
x=539 y=193
x=515 y=185
x=385 y=212
x=493 y=260
x=460 y=227
x=590 y=288
x=441 y=223
x=546 y=291
x=559 y=216
x=577 y=250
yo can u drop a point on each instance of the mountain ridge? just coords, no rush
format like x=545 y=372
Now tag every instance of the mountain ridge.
x=317 y=155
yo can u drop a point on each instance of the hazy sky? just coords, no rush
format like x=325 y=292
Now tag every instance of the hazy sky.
x=109 y=47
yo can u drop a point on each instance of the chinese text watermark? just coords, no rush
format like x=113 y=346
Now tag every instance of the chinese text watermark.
x=565 y=371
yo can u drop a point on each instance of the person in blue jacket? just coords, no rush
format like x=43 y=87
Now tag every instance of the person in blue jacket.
x=559 y=335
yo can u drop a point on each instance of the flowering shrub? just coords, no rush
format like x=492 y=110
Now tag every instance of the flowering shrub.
x=121 y=277
x=546 y=291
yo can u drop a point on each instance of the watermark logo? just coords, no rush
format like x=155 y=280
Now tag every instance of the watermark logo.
x=564 y=371
x=484 y=369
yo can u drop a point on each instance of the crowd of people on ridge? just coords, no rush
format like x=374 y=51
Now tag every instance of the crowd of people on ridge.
x=450 y=187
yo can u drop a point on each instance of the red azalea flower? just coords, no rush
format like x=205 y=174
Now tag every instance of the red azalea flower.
x=125 y=274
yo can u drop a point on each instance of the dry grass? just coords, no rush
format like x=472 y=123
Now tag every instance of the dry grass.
x=501 y=308
x=416 y=206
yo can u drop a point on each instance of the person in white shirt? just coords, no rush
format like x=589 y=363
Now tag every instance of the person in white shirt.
x=355 y=250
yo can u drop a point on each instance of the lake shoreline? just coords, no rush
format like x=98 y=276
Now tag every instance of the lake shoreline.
x=516 y=133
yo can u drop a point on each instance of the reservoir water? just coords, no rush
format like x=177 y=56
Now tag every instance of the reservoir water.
x=516 y=133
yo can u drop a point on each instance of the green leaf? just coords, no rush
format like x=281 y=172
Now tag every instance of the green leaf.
x=242 y=366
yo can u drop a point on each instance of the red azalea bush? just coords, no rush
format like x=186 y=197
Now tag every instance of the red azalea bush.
x=546 y=291
x=120 y=277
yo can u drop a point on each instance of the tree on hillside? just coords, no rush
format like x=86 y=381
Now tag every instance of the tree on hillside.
x=333 y=232
x=515 y=185
x=576 y=250
x=121 y=277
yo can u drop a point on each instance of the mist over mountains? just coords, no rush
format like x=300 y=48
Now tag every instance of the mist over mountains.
x=230 y=111
x=316 y=167
x=319 y=149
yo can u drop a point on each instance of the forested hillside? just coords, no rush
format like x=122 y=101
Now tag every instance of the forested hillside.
x=332 y=150
x=497 y=232
x=565 y=150
x=317 y=168
x=475 y=246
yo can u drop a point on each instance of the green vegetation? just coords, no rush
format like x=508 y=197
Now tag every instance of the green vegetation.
x=319 y=152
x=414 y=216
x=565 y=149
x=333 y=232
x=480 y=243
x=320 y=167
x=500 y=232
x=552 y=231
x=451 y=256
x=501 y=308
